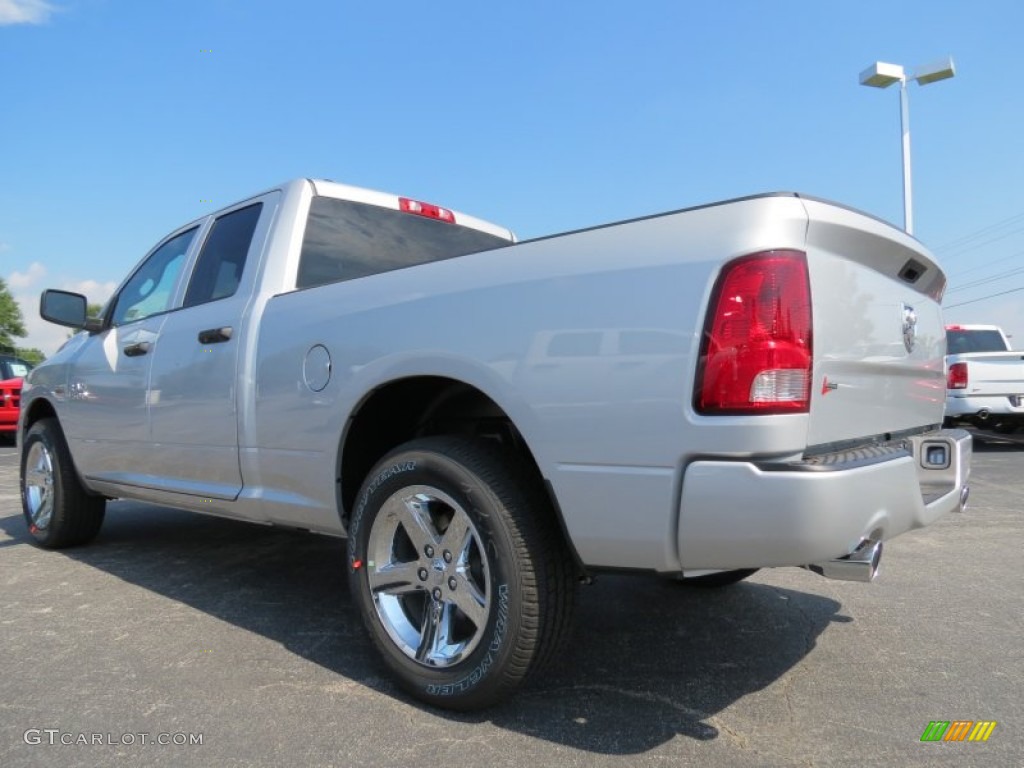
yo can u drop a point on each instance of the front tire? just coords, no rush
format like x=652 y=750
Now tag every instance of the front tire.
x=459 y=570
x=59 y=511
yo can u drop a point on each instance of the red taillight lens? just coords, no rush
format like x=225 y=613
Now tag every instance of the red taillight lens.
x=756 y=352
x=426 y=209
x=957 y=376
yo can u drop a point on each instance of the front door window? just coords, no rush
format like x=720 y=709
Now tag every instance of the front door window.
x=151 y=289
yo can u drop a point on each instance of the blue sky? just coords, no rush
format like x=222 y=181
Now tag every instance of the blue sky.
x=121 y=120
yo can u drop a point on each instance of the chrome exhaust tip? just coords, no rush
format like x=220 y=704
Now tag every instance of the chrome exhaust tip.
x=859 y=565
x=963 y=498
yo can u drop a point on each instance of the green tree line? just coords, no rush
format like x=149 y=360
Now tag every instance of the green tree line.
x=12 y=328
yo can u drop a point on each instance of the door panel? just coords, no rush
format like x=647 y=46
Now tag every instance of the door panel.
x=106 y=410
x=192 y=403
x=106 y=414
x=193 y=408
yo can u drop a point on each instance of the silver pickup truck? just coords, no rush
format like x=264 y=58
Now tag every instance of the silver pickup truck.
x=749 y=384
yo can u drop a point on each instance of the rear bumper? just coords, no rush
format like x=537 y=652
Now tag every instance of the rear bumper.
x=737 y=514
x=995 y=405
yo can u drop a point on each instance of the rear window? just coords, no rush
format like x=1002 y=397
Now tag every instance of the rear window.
x=345 y=240
x=961 y=341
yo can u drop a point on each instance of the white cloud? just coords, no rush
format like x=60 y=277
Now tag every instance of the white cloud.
x=95 y=291
x=5 y=247
x=34 y=273
x=25 y=12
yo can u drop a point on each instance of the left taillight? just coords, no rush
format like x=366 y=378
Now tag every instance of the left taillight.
x=756 y=353
x=956 y=378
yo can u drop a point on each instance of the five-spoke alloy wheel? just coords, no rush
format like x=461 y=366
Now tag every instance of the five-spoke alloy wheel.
x=429 y=576
x=460 y=571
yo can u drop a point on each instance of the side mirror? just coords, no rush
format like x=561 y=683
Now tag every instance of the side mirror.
x=66 y=308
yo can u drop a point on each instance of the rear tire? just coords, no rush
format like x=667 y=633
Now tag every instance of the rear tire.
x=459 y=570
x=720 y=579
x=59 y=511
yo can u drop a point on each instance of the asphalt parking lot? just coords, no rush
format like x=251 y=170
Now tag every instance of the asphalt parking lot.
x=174 y=626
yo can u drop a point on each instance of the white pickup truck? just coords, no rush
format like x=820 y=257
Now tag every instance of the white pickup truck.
x=749 y=384
x=984 y=378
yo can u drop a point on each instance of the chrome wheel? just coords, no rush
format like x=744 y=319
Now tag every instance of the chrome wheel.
x=428 y=576
x=58 y=510
x=39 y=485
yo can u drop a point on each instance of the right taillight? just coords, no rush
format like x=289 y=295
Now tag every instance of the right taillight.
x=956 y=378
x=756 y=352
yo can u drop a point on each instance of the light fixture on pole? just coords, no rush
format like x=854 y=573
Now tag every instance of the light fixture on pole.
x=882 y=75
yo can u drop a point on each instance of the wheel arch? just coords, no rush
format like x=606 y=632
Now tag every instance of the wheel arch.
x=39 y=408
x=417 y=406
x=422 y=406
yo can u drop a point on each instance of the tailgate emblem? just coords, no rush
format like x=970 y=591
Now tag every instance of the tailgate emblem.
x=909 y=327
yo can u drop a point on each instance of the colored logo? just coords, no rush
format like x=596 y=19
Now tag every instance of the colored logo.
x=958 y=730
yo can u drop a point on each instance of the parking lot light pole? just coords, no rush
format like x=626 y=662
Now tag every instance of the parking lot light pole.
x=882 y=75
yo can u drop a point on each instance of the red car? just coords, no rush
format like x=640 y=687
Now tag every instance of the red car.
x=12 y=370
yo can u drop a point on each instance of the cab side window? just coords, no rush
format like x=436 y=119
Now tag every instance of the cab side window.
x=219 y=267
x=151 y=289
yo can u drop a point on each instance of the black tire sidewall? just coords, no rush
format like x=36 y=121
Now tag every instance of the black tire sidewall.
x=481 y=677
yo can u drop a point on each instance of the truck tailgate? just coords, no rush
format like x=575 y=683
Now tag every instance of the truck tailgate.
x=993 y=373
x=879 y=339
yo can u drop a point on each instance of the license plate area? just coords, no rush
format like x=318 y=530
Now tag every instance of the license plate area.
x=943 y=461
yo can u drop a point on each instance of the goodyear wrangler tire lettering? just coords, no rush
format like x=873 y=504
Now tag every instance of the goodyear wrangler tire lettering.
x=477 y=674
x=459 y=571
x=387 y=473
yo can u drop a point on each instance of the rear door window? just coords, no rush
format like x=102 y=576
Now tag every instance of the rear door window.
x=220 y=265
